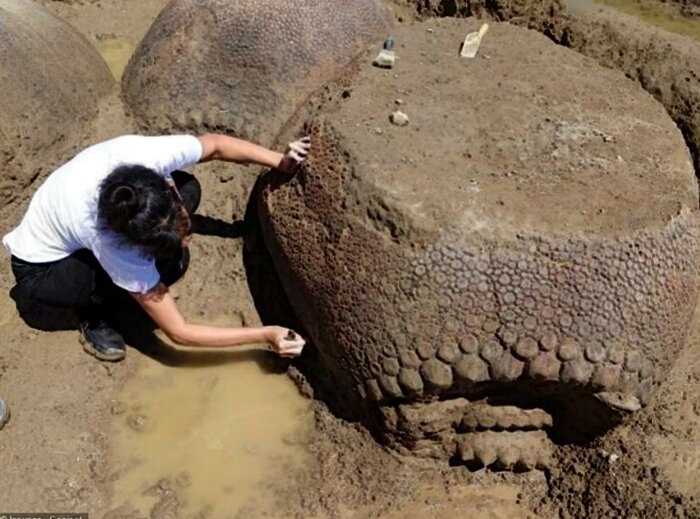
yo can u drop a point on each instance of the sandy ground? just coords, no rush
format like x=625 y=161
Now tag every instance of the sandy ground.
x=60 y=452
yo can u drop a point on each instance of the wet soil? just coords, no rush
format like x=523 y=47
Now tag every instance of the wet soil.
x=666 y=16
x=677 y=17
x=77 y=423
x=211 y=430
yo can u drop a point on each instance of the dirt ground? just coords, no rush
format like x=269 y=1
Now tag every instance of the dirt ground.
x=57 y=451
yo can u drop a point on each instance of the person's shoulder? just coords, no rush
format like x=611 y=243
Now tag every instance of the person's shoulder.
x=124 y=141
x=150 y=142
x=161 y=153
x=110 y=146
x=131 y=148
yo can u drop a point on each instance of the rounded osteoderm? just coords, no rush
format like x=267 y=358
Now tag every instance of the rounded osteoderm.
x=243 y=65
x=533 y=226
x=506 y=450
x=51 y=79
x=480 y=416
x=478 y=433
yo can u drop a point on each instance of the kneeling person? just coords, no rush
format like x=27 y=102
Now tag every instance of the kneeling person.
x=117 y=218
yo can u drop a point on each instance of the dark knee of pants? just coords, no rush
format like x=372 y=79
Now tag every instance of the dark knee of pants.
x=190 y=190
x=53 y=296
x=42 y=316
x=96 y=282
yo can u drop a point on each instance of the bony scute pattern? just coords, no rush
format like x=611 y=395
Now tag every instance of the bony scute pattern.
x=479 y=417
x=476 y=433
x=249 y=62
x=419 y=295
x=506 y=450
x=450 y=319
x=548 y=311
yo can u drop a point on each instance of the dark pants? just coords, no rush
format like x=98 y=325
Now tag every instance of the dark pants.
x=59 y=294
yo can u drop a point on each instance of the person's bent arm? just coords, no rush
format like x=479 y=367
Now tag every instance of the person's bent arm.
x=160 y=306
x=231 y=149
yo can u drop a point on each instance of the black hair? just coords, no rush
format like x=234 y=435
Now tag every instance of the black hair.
x=139 y=205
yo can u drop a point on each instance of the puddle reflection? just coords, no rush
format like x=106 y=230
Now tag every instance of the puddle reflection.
x=205 y=431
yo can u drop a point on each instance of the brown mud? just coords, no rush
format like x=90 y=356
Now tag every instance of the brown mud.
x=678 y=16
x=61 y=450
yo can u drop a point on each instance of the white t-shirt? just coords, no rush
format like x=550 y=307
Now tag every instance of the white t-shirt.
x=62 y=215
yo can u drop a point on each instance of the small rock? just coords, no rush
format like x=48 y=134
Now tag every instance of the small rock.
x=399 y=118
x=118 y=408
x=385 y=59
x=137 y=422
x=105 y=36
x=620 y=401
x=398 y=101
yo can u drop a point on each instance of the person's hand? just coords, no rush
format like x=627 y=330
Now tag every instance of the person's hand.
x=285 y=342
x=296 y=153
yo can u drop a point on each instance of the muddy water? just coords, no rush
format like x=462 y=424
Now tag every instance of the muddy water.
x=116 y=52
x=207 y=439
x=653 y=13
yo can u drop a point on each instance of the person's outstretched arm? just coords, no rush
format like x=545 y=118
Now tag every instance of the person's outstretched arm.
x=161 y=307
x=230 y=149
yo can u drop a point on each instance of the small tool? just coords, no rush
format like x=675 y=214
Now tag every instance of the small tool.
x=386 y=57
x=4 y=414
x=473 y=41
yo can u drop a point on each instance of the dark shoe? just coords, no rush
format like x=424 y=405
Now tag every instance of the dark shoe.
x=102 y=341
x=4 y=414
